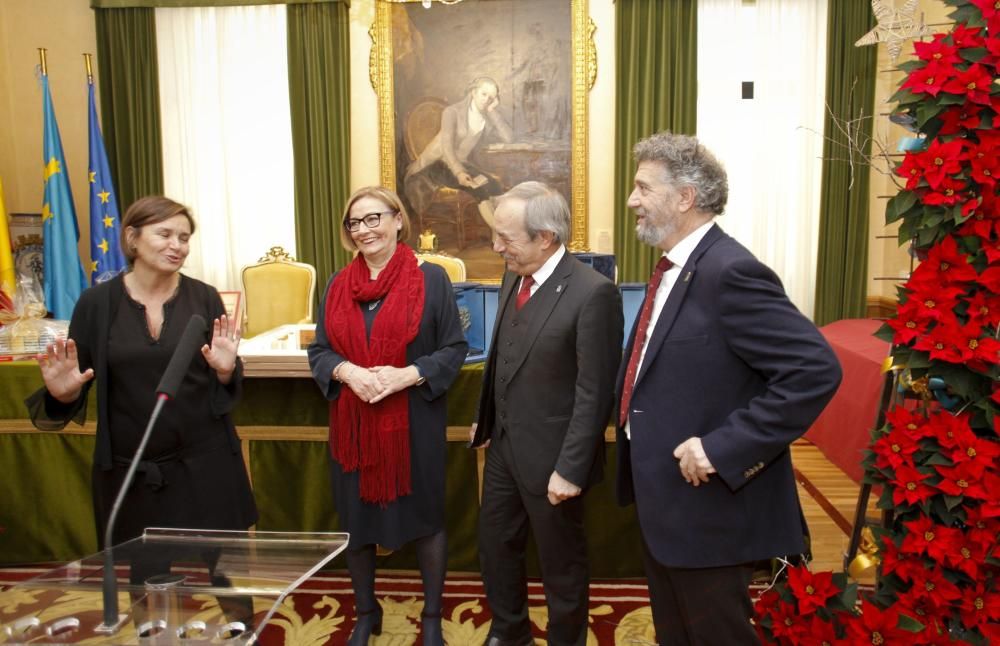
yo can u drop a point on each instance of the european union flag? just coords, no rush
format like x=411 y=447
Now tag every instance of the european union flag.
x=64 y=279
x=106 y=257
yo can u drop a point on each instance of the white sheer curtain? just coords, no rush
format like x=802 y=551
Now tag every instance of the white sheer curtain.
x=227 y=138
x=772 y=144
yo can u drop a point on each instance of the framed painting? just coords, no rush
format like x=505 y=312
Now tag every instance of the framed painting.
x=474 y=98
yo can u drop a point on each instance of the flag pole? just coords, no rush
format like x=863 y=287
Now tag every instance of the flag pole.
x=41 y=56
x=90 y=69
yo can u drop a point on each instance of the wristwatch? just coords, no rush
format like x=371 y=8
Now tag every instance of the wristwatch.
x=420 y=378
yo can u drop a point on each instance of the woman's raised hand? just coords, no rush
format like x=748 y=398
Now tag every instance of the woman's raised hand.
x=61 y=371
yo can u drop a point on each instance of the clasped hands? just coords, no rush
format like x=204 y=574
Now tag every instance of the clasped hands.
x=374 y=384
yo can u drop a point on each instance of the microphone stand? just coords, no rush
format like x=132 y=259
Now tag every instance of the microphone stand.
x=109 y=588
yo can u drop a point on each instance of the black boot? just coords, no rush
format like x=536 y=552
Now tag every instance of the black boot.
x=430 y=629
x=369 y=623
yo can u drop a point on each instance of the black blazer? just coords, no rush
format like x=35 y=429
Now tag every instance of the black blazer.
x=562 y=390
x=732 y=361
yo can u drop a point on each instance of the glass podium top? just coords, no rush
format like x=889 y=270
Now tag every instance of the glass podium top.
x=175 y=586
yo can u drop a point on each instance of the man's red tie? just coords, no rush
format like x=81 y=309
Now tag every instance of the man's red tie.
x=640 y=337
x=524 y=293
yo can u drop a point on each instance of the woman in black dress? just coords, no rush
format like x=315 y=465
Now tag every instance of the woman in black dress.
x=121 y=337
x=388 y=330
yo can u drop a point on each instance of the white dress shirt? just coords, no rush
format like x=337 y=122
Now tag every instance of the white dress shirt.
x=678 y=256
x=545 y=270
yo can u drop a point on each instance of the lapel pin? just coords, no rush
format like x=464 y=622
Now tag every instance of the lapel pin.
x=687 y=277
x=559 y=289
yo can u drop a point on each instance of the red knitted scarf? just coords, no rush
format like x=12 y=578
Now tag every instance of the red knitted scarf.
x=375 y=438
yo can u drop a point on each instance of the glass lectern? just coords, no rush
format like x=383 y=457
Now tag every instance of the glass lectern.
x=175 y=586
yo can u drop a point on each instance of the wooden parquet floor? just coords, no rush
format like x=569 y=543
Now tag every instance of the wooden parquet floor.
x=828 y=500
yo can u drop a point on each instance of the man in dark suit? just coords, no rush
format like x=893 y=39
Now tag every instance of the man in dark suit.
x=548 y=393
x=721 y=374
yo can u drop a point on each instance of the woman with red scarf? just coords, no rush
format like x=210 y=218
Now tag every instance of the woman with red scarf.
x=388 y=345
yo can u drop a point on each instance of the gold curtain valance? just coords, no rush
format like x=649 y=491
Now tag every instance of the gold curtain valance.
x=128 y=4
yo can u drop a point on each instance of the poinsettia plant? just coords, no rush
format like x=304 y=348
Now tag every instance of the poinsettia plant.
x=937 y=457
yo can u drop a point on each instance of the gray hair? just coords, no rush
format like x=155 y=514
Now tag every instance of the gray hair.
x=688 y=163
x=545 y=209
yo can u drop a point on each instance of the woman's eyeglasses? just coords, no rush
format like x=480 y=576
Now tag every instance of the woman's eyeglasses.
x=371 y=221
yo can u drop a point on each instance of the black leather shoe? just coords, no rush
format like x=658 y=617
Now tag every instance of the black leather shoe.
x=493 y=640
x=430 y=629
x=369 y=623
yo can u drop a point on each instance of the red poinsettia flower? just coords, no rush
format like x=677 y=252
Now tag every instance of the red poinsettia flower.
x=966 y=37
x=984 y=219
x=968 y=557
x=876 y=626
x=898 y=562
x=820 y=632
x=979 y=606
x=909 y=323
x=941 y=159
x=991 y=13
x=946 y=263
x=949 y=193
x=932 y=586
x=985 y=164
x=991 y=502
x=895 y=449
x=787 y=625
x=930 y=300
x=909 y=487
x=811 y=590
x=993 y=49
x=984 y=308
x=912 y=169
x=910 y=421
x=977 y=346
x=990 y=279
x=979 y=453
x=964 y=479
x=949 y=431
x=982 y=528
x=923 y=536
x=959 y=118
x=930 y=79
x=974 y=83
x=937 y=51
x=917 y=607
x=943 y=341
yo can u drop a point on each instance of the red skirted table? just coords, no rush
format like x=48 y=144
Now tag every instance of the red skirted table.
x=844 y=428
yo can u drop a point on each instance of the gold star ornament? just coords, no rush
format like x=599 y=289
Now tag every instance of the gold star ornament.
x=47 y=213
x=51 y=168
x=894 y=26
x=104 y=195
x=108 y=221
x=103 y=246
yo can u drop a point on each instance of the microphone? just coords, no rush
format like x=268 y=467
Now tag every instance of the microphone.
x=192 y=339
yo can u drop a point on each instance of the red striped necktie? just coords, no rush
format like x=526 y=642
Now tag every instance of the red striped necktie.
x=640 y=337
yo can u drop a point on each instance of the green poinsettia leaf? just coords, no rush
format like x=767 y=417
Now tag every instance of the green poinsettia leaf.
x=986 y=120
x=909 y=66
x=926 y=237
x=903 y=96
x=905 y=232
x=885 y=333
x=953 y=501
x=969 y=14
x=899 y=205
x=909 y=624
x=959 y=379
x=918 y=360
x=936 y=458
x=946 y=98
x=932 y=217
x=925 y=111
x=973 y=54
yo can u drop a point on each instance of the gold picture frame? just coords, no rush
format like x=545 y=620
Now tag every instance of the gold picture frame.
x=396 y=35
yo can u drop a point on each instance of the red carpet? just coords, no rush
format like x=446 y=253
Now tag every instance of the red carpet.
x=321 y=612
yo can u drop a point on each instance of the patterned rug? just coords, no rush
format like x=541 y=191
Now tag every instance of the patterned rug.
x=321 y=611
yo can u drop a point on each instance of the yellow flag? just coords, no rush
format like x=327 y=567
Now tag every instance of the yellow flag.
x=8 y=282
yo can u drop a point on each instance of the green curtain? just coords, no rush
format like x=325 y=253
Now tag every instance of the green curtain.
x=319 y=87
x=842 y=261
x=130 y=100
x=657 y=89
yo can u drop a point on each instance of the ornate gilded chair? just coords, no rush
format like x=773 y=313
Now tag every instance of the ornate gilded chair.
x=448 y=205
x=278 y=290
x=454 y=267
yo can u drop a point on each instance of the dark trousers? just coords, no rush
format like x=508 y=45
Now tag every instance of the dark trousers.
x=700 y=606
x=504 y=519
